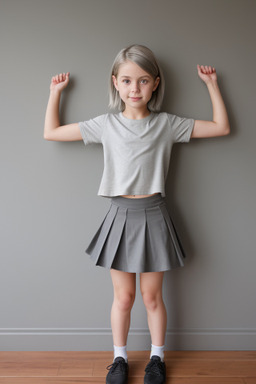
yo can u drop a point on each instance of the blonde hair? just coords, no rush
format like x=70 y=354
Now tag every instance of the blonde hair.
x=144 y=58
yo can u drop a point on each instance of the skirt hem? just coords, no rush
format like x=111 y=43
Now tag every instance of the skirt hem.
x=121 y=270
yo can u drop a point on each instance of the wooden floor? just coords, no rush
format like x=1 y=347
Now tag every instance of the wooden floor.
x=185 y=367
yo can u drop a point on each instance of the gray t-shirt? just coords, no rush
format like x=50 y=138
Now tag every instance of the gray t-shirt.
x=136 y=152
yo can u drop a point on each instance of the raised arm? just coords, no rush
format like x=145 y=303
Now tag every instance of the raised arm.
x=219 y=126
x=52 y=129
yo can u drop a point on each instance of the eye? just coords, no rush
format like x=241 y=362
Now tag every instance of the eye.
x=144 y=81
x=126 y=81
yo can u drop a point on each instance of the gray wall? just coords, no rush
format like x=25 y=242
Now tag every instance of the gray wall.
x=51 y=296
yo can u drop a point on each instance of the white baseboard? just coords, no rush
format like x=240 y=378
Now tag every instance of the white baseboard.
x=69 y=339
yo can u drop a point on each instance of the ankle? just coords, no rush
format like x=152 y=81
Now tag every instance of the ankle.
x=120 y=352
x=157 y=351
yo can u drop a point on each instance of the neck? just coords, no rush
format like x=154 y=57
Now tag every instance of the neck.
x=136 y=114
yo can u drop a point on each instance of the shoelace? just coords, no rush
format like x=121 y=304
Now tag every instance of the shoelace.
x=117 y=367
x=155 y=367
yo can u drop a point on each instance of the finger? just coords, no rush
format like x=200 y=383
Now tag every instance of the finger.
x=203 y=69
x=200 y=69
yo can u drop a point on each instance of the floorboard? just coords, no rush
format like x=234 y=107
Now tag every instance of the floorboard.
x=183 y=367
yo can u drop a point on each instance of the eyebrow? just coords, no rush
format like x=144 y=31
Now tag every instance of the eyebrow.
x=141 y=77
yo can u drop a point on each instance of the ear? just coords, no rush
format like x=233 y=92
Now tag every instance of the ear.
x=157 y=81
x=114 y=79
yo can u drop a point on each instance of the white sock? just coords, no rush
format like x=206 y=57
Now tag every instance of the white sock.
x=120 y=352
x=157 y=351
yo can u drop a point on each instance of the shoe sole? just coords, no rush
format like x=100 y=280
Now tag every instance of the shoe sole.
x=108 y=382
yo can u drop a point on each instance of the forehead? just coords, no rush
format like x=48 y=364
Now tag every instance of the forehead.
x=131 y=69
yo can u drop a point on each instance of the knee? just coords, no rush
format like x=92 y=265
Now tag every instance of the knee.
x=151 y=301
x=125 y=301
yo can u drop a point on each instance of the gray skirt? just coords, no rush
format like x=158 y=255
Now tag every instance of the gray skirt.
x=137 y=235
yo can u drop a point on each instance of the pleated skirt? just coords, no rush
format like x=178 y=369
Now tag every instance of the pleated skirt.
x=137 y=235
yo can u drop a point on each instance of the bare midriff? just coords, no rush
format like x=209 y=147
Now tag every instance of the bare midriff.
x=138 y=196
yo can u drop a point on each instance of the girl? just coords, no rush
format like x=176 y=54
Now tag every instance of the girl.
x=137 y=234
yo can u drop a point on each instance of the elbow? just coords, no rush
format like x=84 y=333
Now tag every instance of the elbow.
x=50 y=134
x=46 y=133
x=226 y=130
x=223 y=129
x=46 y=137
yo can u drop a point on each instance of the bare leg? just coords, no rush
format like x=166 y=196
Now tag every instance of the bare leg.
x=151 y=290
x=124 y=285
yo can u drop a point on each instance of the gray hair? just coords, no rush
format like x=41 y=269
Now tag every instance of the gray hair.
x=144 y=58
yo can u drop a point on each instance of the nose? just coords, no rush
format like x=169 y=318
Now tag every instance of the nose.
x=135 y=87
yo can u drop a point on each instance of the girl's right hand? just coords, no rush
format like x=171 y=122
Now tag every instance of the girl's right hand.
x=59 y=82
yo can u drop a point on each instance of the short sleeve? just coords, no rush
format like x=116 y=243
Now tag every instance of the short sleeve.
x=182 y=128
x=92 y=130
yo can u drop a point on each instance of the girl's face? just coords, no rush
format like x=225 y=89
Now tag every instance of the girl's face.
x=135 y=86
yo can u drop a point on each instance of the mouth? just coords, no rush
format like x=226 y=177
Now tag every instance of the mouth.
x=135 y=98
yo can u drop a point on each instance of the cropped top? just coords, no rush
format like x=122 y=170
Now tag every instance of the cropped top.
x=136 y=152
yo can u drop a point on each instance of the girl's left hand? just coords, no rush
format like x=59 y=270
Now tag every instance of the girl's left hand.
x=207 y=73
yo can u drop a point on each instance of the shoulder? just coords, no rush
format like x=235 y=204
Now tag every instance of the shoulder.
x=100 y=120
x=162 y=117
x=173 y=119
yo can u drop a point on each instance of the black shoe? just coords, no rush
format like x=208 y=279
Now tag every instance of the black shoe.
x=118 y=372
x=155 y=371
